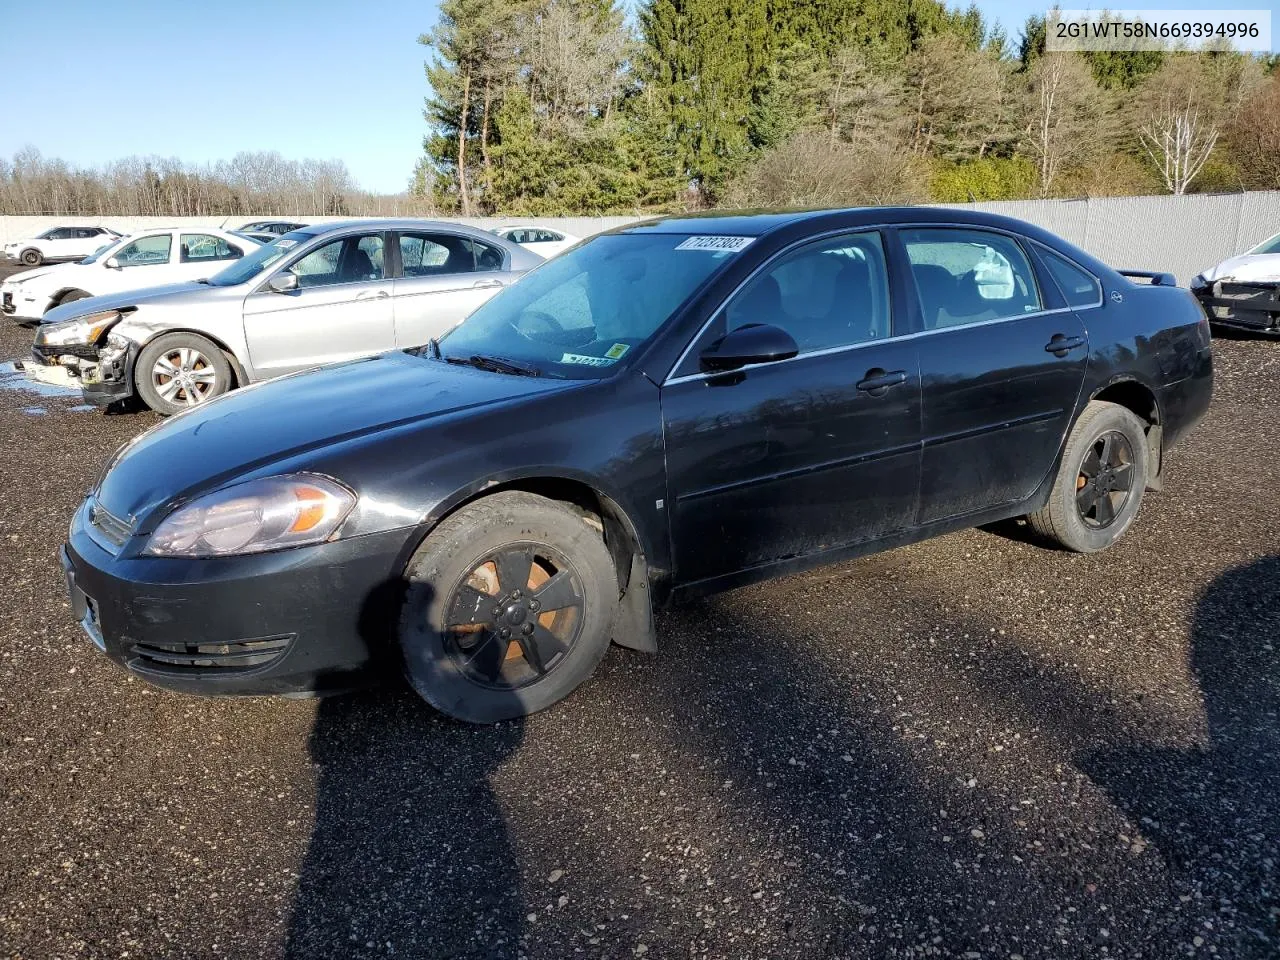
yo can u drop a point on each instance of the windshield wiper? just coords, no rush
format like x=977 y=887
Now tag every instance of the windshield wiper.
x=484 y=361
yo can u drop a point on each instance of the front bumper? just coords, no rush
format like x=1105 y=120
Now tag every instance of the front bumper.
x=311 y=619
x=22 y=307
x=103 y=375
x=1242 y=306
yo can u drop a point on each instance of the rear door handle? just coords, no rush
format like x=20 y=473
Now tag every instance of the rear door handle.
x=1059 y=344
x=372 y=295
x=487 y=283
x=877 y=381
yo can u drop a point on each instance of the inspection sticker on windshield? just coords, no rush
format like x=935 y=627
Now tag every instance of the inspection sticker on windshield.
x=723 y=244
x=616 y=351
x=587 y=361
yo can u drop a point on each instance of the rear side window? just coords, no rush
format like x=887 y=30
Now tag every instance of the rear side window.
x=200 y=247
x=444 y=254
x=969 y=276
x=1079 y=287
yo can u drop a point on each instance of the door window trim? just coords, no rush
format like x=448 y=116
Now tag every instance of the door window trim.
x=892 y=338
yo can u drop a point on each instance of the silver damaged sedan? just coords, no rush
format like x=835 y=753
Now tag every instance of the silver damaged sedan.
x=317 y=295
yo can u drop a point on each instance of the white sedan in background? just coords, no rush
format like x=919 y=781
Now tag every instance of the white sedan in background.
x=541 y=240
x=149 y=258
x=60 y=243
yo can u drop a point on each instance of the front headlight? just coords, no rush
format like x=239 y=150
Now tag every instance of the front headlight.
x=88 y=329
x=253 y=517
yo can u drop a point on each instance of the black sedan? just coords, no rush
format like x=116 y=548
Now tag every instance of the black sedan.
x=671 y=408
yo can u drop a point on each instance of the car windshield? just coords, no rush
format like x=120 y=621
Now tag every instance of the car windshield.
x=104 y=250
x=579 y=314
x=253 y=264
x=1268 y=246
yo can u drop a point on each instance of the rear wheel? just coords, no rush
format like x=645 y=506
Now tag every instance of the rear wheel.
x=1100 y=482
x=31 y=257
x=180 y=370
x=510 y=606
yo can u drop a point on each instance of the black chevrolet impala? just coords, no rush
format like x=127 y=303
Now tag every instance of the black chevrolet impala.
x=673 y=407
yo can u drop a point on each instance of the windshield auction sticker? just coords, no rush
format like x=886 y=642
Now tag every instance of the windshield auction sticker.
x=585 y=360
x=1092 y=30
x=719 y=244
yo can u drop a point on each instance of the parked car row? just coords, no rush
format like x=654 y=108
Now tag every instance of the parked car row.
x=668 y=409
x=315 y=295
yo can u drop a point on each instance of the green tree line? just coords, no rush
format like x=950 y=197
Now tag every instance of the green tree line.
x=546 y=107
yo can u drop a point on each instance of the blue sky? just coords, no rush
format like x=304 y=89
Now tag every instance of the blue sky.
x=93 y=81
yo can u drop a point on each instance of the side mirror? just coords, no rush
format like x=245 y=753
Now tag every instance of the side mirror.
x=283 y=282
x=113 y=263
x=752 y=343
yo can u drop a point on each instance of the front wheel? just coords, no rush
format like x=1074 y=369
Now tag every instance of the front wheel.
x=31 y=257
x=180 y=370
x=1100 y=482
x=509 y=608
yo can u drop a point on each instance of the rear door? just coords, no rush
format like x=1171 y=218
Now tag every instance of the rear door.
x=443 y=277
x=1002 y=363
x=341 y=309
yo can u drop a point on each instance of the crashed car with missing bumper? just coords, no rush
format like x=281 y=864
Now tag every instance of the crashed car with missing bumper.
x=1244 y=292
x=318 y=295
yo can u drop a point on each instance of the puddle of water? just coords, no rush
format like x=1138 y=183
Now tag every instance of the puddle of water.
x=11 y=378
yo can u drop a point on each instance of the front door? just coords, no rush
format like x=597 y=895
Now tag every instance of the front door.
x=443 y=277
x=341 y=309
x=793 y=458
x=1002 y=366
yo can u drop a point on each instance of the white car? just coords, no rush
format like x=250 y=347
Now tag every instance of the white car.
x=149 y=258
x=541 y=240
x=60 y=243
x=1244 y=291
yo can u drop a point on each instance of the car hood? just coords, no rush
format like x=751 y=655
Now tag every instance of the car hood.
x=1247 y=268
x=170 y=295
x=24 y=276
x=248 y=431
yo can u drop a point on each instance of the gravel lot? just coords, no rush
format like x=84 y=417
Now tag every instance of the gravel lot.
x=973 y=747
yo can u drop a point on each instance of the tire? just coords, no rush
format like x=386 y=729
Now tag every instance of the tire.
x=200 y=372
x=1090 y=506
x=455 y=655
x=71 y=296
x=31 y=257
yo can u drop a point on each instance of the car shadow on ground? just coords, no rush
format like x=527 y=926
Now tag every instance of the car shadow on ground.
x=1214 y=812
x=865 y=841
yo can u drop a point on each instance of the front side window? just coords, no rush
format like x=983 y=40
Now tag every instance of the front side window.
x=831 y=293
x=1079 y=288
x=201 y=247
x=969 y=276
x=146 y=251
x=356 y=259
x=580 y=314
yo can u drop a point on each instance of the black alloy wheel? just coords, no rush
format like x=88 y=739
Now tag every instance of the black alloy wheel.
x=515 y=617
x=1105 y=480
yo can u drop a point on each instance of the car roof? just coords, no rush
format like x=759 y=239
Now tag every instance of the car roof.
x=389 y=223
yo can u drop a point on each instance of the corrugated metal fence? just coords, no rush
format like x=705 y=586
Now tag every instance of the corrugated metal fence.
x=1183 y=235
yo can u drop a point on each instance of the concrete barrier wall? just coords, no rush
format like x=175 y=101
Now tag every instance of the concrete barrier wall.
x=1182 y=235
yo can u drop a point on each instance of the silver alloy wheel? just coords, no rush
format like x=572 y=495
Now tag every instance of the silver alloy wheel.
x=184 y=375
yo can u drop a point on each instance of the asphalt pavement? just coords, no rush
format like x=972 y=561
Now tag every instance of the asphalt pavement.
x=973 y=747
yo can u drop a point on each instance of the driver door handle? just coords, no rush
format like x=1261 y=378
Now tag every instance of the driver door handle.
x=487 y=283
x=372 y=295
